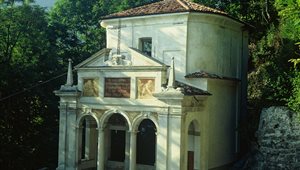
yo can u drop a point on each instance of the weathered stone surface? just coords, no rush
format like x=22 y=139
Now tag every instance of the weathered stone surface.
x=278 y=141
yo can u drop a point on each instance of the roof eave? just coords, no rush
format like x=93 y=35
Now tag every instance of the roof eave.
x=141 y=15
x=246 y=25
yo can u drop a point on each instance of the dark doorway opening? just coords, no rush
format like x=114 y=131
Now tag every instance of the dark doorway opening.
x=190 y=160
x=117 y=128
x=146 y=143
x=193 y=157
x=87 y=143
x=117 y=145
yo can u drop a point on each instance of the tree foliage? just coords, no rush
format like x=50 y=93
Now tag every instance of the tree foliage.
x=26 y=57
x=288 y=11
x=289 y=18
x=34 y=43
x=77 y=27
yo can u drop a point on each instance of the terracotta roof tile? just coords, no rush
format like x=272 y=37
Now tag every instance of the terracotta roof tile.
x=200 y=8
x=203 y=74
x=165 y=6
x=189 y=90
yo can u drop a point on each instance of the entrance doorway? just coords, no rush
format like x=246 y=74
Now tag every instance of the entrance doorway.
x=146 y=145
x=190 y=160
x=193 y=155
x=87 y=143
x=117 y=147
x=116 y=140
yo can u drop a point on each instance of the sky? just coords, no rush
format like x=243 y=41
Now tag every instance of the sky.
x=45 y=3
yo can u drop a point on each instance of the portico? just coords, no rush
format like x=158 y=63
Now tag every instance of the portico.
x=122 y=141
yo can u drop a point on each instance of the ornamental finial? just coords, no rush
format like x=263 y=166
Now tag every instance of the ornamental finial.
x=171 y=81
x=70 y=74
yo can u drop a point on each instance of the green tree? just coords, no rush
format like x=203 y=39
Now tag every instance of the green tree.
x=290 y=29
x=289 y=18
x=76 y=28
x=76 y=23
x=28 y=123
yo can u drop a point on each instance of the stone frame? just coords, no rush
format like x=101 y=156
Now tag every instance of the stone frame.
x=122 y=90
x=145 y=87
x=91 y=89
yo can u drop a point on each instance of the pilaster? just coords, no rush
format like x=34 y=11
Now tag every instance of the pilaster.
x=127 y=150
x=62 y=137
x=101 y=149
x=170 y=130
x=132 y=164
x=71 y=139
x=67 y=127
x=162 y=145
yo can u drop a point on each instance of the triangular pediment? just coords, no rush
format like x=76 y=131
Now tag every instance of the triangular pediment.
x=96 y=59
x=108 y=58
x=140 y=59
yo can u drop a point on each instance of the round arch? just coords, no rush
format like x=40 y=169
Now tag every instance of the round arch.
x=87 y=140
x=109 y=113
x=145 y=126
x=195 y=124
x=84 y=115
x=137 y=121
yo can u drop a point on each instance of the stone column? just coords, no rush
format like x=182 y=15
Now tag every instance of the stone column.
x=161 y=145
x=168 y=121
x=71 y=138
x=79 y=146
x=62 y=137
x=101 y=149
x=127 y=150
x=69 y=95
x=174 y=142
x=90 y=140
x=132 y=164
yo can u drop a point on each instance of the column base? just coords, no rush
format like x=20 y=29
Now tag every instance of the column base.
x=61 y=167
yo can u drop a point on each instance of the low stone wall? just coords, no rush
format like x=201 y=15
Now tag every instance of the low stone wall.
x=278 y=138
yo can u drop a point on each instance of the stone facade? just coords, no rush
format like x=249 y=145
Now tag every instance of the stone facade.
x=134 y=106
x=279 y=140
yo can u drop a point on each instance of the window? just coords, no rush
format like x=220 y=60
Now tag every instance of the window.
x=146 y=45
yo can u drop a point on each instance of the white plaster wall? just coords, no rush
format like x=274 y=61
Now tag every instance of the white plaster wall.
x=222 y=110
x=214 y=45
x=197 y=41
x=197 y=82
x=168 y=33
x=174 y=143
x=202 y=118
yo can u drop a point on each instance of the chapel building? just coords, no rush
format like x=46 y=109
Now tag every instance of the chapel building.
x=167 y=93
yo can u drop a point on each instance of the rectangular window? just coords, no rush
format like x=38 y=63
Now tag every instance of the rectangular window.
x=146 y=46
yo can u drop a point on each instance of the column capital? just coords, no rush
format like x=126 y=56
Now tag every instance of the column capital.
x=79 y=127
x=133 y=131
x=100 y=129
